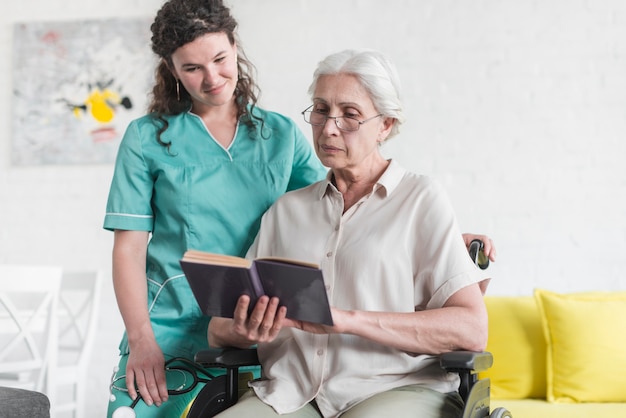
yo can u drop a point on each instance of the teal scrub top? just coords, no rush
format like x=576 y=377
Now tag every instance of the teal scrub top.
x=199 y=195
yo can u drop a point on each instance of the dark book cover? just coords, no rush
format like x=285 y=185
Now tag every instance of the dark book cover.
x=299 y=287
x=217 y=288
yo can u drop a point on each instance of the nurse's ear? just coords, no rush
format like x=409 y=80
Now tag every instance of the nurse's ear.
x=170 y=66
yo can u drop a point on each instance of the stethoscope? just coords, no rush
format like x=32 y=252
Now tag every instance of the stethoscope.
x=187 y=368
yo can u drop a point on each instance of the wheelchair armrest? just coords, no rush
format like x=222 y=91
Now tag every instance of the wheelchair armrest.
x=454 y=361
x=227 y=358
x=466 y=361
x=230 y=359
x=467 y=364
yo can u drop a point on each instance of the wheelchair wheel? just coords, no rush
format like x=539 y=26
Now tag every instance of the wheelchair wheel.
x=500 y=413
x=211 y=400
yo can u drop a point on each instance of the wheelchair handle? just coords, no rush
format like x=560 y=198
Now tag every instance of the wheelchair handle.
x=478 y=255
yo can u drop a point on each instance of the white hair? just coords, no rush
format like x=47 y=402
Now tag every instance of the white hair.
x=377 y=75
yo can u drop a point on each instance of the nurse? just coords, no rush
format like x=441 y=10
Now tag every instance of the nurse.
x=197 y=172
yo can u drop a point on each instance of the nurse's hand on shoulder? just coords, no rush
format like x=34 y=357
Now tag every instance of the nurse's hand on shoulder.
x=488 y=247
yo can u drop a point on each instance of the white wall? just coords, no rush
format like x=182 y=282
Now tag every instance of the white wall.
x=517 y=106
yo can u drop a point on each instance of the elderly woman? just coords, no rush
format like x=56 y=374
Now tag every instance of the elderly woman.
x=397 y=272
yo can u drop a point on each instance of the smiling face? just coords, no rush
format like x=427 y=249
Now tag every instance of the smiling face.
x=343 y=95
x=207 y=68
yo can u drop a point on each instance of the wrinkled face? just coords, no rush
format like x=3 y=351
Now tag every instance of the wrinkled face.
x=207 y=67
x=343 y=95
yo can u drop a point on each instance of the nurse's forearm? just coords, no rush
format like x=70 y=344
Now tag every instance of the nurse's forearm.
x=130 y=284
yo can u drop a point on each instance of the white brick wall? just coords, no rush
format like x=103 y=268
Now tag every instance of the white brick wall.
x=517 y=106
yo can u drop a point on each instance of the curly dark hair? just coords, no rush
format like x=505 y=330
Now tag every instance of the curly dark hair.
x=177 y=23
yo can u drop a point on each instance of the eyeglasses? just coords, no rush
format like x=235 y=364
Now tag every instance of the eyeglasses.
x=344 y=123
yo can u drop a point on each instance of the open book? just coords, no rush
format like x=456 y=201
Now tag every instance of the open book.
x=217 y=281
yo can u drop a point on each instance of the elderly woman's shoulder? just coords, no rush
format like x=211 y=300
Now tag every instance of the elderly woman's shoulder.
x=421 y=179
x=396 y=172
x=422 y=183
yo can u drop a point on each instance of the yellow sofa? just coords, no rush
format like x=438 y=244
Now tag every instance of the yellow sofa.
x=558 y=355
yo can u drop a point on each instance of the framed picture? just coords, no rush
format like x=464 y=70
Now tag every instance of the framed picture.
x=76 y=86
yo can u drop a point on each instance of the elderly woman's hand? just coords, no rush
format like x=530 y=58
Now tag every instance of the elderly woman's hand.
x=262 y=325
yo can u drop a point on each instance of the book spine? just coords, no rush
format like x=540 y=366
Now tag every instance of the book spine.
x=256 y=281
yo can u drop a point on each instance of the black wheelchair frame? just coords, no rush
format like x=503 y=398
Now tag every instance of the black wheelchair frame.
x=223 y=391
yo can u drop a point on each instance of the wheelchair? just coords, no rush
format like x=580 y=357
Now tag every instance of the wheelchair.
x=223 y=391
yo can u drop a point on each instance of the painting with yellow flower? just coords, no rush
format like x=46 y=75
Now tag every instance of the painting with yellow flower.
x=76 y=86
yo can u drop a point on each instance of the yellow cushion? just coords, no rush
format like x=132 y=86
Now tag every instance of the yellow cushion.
x=586 y=339
x=537 y=408
x=518 y=346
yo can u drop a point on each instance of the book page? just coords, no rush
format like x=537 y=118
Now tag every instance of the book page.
x=196 y=256
x=290 y=261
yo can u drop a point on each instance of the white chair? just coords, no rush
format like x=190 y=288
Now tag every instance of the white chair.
x=28 y=326
x=79 y=302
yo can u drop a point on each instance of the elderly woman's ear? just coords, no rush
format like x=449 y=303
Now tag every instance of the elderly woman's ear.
x=387 y=126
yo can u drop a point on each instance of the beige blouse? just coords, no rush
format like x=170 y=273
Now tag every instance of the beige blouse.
x=399 y=249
